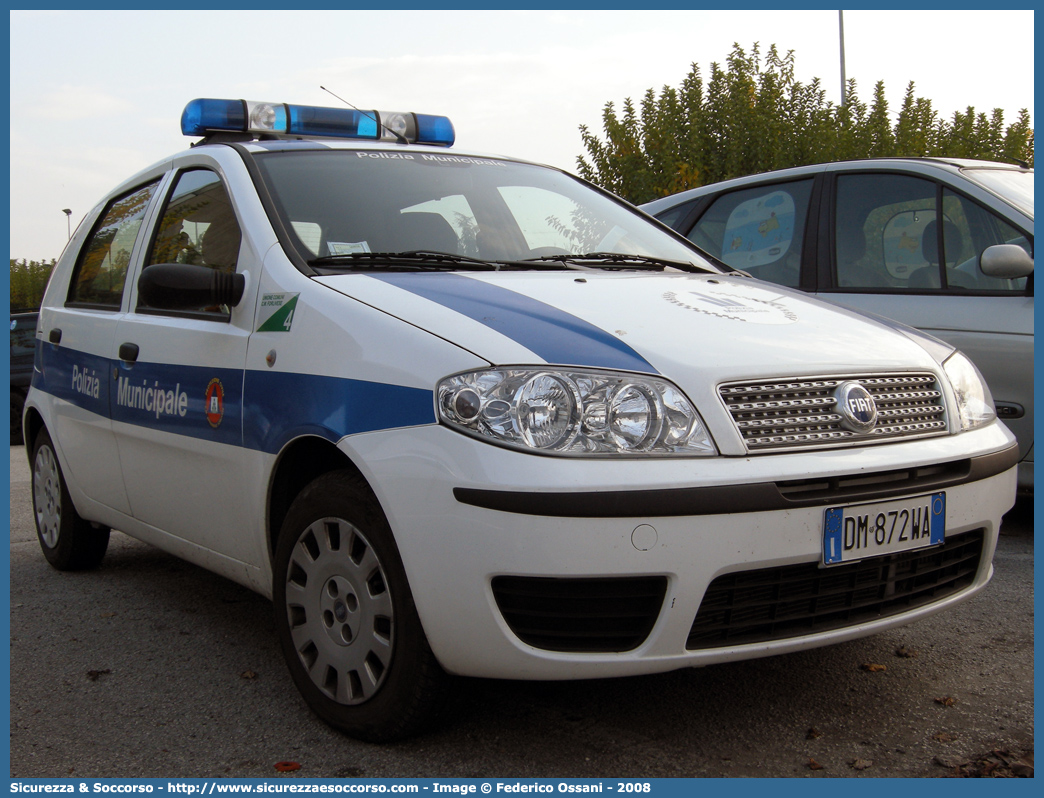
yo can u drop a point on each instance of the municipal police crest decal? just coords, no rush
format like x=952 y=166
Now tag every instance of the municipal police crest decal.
x=740 y=303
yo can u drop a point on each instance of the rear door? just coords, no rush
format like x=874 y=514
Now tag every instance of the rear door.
x=76 y=348
x=760 y=229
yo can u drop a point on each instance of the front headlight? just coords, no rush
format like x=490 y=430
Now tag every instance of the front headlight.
x=574 y=412
x=974 y=401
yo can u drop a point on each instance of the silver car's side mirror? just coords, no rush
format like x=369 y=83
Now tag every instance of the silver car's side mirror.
x=1007 y=261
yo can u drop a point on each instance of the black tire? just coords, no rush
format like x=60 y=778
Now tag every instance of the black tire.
x=68 y=541
x=17 y=408
x=345 y=616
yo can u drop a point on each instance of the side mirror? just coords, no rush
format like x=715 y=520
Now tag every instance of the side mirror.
x=1007 y=261
x=182 y=286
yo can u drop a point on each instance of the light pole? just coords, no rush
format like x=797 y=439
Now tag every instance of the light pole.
x=68 y=221
x=841 y=29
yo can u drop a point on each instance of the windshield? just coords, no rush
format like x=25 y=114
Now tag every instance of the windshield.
x=1014 y=185
x=338 y=205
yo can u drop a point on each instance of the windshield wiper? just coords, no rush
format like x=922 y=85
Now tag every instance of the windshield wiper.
x=620 y=260
x=432 y=260
x=414 y=259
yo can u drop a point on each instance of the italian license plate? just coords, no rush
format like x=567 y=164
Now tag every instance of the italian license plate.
x=869 y=530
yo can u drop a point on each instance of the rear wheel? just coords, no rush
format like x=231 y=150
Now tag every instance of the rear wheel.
x=68 y=541
x=345 y=616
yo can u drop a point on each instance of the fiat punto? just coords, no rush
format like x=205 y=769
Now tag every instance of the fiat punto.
x=456 y=413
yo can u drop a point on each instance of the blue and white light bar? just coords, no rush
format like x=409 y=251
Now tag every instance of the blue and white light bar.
x=204 y=116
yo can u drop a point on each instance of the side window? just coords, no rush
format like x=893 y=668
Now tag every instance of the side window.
x=977 y=229
x=891 y=233
x=759 y=230
x=101 y=269
x=198 y=227
x=886 y=232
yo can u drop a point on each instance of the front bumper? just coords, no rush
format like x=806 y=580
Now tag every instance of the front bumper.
x=466 y=513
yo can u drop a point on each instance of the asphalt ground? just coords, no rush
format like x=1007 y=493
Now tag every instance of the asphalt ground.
x=152 y=667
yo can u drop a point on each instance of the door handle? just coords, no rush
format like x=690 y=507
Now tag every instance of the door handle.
x=128 y=352
x=55 y=336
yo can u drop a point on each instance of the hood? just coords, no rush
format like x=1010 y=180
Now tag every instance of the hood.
x=696 y=330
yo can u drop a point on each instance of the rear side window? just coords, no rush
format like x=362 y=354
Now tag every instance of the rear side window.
x=101 y=269
x=759 y=230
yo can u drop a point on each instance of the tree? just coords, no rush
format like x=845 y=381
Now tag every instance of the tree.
x=28 y=281
x=753 y=116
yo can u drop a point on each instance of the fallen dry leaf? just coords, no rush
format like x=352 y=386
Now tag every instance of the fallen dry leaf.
x=813 y=764
x=1022 y=770
x=873 y=668
x=946 y=701
x=1000 y=763
x=903 y=651
x=861 y=764
x=944 y=737
x=248 y=675
x=813 y=734
x=286 y=767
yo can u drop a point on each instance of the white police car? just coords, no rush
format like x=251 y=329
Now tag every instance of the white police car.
x=464 y=414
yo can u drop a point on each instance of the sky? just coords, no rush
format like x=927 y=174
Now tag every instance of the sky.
x=97 y=95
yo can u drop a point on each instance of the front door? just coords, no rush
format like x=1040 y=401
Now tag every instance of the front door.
x=179 y=386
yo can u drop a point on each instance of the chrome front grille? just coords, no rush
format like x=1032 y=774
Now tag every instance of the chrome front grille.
x=784 y=414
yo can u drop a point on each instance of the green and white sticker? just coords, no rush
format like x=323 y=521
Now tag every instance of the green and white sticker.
x=277 y=310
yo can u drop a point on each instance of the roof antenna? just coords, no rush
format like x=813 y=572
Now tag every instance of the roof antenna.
x=398 y=136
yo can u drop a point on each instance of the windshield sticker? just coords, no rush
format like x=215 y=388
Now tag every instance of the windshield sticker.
x=347 y=247
x=277 y=310
x=310 y=233
x=740 y=304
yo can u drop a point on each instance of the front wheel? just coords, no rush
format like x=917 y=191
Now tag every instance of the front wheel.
x=68 y=541
x=345 y=616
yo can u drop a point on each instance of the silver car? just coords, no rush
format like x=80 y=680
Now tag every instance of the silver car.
x=944 y=245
